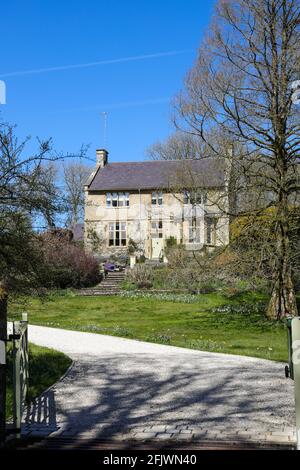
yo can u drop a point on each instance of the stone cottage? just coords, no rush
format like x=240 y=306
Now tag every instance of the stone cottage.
x=139 y=206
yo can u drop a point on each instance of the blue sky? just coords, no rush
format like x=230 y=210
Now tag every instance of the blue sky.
x=66 y=102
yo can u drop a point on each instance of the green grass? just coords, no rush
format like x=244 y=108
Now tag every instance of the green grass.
x=215 y=322
x=46 y=366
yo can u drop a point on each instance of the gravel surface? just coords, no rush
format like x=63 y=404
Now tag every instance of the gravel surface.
x=120 y=388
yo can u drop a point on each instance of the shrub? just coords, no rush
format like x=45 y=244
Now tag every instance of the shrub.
x=171 y=242
x=141 y=259
x=141 y=275
x=67 y=264
x=132 y=246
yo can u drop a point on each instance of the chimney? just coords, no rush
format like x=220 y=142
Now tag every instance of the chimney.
x=101 y=158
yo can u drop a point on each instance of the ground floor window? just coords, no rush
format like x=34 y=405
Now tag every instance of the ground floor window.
x=157 y=229
x=211 y=230
x=194 y=231
x=117 y=234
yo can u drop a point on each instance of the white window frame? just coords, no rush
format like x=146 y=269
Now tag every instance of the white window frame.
x=194 y=198
x=157 y=229
x=117 y=199
x=194 y=231
x=157 y=198
x=210 y=223
x=117 y=234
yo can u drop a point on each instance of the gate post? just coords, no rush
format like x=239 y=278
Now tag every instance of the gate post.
x=20 y=370
x=295 y=324
x=3 y=338
x=16 y=380
x=25 y=352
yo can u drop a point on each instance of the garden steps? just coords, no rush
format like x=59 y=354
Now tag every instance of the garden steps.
x=154 y=263
x=111 y=285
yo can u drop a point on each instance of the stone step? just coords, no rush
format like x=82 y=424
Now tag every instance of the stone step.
x=101 y=288
x=105 y=288
x=98 y=291
x=108 y=281
x=112 y=274
x=115 y=276
x=98 y=294
x=111 y=283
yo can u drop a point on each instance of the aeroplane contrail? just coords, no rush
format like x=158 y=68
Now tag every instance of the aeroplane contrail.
x=93 y=64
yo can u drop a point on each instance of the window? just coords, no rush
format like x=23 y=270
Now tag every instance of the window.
x=157 y=199
x=211 y=229
x=186 y=197
x=194 y=198
x=157 y=229
x=117 y=234
x=117 y=199
x=194 y=231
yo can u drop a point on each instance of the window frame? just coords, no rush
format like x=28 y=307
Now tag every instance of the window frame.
x=117 y=199
x=117 y=234
x=210 y=224
x=157 y=229
x=157 y=198
x=195 y=228
x=195 y=198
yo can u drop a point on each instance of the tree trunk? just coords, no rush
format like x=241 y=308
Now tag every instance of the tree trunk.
x=283 y=300
x=3 y=337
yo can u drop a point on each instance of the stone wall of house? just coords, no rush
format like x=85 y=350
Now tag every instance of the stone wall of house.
x=140 y=215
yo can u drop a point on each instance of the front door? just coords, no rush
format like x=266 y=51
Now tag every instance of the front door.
x=157 y=247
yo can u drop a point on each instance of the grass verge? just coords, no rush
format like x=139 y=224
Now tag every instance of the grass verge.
x=212 y=322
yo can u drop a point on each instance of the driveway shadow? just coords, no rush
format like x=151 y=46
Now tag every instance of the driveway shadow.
x=121 y=395
x=40 y=415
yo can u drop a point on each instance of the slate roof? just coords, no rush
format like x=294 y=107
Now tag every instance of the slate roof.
x=158 y=174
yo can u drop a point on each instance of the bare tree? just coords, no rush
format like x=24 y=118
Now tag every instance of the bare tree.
x=75 y=176
x=179 y=146
x=241 y=87
x=24 y=193
x=28 y=196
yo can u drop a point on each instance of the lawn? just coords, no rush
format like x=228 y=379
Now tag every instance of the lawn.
x=213 y=322
x=45 y=368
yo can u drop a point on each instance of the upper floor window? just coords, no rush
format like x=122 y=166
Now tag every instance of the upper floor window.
x=117 y=234
x=157 y=199
x=194 y=197
x=117 y=199
x=211 y=230
x=157 y=229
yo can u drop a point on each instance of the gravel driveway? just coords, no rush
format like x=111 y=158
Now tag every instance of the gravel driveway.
x=124 y=389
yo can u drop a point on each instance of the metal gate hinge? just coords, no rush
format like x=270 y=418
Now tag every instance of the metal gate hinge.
x=13 y=337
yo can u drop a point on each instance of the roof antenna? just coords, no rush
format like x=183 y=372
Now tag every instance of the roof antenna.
x=104 y=115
